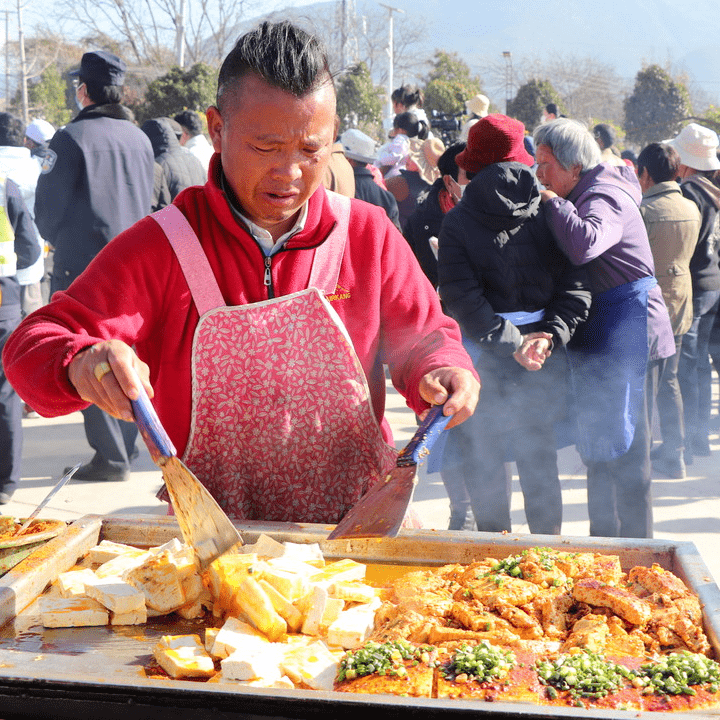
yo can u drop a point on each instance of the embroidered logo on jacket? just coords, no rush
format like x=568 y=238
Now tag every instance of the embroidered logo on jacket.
x=48 y=161
x=340 y=293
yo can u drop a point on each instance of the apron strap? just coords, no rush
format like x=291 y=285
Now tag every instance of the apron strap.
x=328 y=257
x=201 y=279
x=193 y=261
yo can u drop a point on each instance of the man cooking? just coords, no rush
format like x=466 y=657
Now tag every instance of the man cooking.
x=259 y=309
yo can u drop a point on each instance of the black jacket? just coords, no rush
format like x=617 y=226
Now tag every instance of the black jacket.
x=497 y=255
x=423 y=224
x=368 y=190
x=27 y=249
x=704 y=268
x=182 y=169
x=96 y=182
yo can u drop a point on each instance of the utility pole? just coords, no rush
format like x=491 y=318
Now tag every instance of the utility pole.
x=7 y=60
x=391 y=57
x=508 y=78
x=348 y=40
x=180 y=36
x=23 y=66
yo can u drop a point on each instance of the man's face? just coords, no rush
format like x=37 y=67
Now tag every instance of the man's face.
x=553 y=175
x=274 y=147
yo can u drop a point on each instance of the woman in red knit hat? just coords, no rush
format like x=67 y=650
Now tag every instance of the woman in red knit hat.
x=518 y=301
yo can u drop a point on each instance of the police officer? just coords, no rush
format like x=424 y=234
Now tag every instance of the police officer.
x=96 y=181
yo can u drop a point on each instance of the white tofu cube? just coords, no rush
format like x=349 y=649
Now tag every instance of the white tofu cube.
x=115 y=594
x=309 y=553
x=236 y=634
x=183 y=656
x=108 y=550
x=313 y=666
x=259 y=665
x=352 y=628
x=60 y=612
x=158 y=579
x=72 y=582
x=266 y=547
x=123 y=564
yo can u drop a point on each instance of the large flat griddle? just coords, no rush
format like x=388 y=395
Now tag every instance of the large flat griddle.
x=99 y=672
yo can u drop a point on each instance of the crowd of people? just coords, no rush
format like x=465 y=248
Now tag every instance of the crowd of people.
x=263 y=299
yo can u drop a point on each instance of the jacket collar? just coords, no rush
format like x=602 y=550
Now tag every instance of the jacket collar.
x=662 y=188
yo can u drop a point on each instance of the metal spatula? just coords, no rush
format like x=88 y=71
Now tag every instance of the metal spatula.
x=203 y=523
x=380 y=512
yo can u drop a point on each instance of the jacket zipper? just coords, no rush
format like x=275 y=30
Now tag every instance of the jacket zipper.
x=268 y=277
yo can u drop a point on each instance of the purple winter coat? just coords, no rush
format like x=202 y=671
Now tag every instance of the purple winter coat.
x=599 y=226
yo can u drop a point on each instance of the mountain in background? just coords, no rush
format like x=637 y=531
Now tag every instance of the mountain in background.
x=625 y=35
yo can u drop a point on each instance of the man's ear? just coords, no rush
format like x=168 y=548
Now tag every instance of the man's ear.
x=215 y=127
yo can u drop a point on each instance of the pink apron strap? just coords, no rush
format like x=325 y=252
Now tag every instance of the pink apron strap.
x=328 y=257
x=193 y=261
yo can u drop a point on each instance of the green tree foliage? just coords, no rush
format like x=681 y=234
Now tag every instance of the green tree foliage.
x=47 y=98
x=449 y=84
x=532 y=97
x=656 y=107
x=358 y=101
x=177 y=90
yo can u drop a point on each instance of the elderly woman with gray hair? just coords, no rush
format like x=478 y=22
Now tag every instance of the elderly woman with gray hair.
x=592 y=208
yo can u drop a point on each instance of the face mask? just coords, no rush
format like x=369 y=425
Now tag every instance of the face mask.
x=77 y=101
x=457 y=190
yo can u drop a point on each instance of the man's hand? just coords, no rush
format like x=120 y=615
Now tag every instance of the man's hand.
x=456 y=387
x=534 y=351
x=546 y=195
x=106 y=374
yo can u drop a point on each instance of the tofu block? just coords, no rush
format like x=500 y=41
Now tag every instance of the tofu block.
x=341 y=570
x=182 y=656
x=115 y=594
x=236 y=634
x=123 y=564
x=210 y=635
x=315 y=604
x=159 y=580
x=193 y=588
x=283 y=683
x=289 y=584
x=191 y=610
x=171 y=546
x=265 y=547
x=223 y=575
x=313 y=666
x=108 y=550
x=136 y=617
x=259 y=665
x=285 y=609
x=309 y=553
x=352 y=628
x=352 y=592
x=252 y=600
x=297 y=567
x=333 y=608
x=58 y=612
x=72 y=582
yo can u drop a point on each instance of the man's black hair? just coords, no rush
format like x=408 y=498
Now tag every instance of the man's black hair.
x=12 y=130
x=102 y=94
x=660 y=160
x=552 y=108
x=191 y=121
x=446 y=162
x=282 y=54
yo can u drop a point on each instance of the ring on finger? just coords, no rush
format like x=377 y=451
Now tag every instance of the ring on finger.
x=101 y=370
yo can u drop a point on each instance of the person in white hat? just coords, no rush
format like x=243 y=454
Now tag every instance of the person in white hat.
x=697 y=147
x=37 y=137
x=477 y=108
x=361 y=151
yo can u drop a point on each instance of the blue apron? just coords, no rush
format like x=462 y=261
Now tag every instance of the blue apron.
x=608 y=357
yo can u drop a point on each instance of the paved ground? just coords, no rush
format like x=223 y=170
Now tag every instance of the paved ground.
x=687 y=510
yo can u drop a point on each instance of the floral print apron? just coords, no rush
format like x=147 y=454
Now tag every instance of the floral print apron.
x=282 y=423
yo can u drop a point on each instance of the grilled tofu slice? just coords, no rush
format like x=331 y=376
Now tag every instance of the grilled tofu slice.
x=629 y=607
x=183 y=656
x=58 y=612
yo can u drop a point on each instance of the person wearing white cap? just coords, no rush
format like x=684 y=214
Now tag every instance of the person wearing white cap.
x=37 y=137
x=477 y=108
x=697 y=147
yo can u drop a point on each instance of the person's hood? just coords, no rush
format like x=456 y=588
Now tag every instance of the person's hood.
x=620 y=176
x=502 y=196
x=162 y=136
x=708 y=187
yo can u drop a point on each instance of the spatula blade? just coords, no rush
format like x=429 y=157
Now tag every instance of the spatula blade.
x=381 y=511
x=203 y=523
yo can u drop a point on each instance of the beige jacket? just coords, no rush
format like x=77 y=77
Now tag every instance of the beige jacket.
x=673 y=224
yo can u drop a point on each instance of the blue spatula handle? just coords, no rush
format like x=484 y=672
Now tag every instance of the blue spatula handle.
x=417 y=450
x=157 y=440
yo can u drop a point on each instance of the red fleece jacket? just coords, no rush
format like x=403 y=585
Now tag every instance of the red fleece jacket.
x=135 y=291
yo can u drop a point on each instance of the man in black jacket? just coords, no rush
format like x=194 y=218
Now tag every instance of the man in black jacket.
x=97 y=180
x=18 y=249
